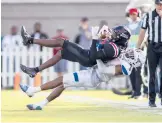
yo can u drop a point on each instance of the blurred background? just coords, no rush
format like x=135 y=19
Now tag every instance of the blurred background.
x=71 y=19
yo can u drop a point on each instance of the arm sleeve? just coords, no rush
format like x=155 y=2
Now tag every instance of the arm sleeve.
x=93 y=50
x=144 y=23
x=94 y=54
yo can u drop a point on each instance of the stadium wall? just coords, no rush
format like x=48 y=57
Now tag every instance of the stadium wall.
x=66 y=15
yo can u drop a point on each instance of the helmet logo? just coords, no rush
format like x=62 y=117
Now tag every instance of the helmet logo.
x=124 y=35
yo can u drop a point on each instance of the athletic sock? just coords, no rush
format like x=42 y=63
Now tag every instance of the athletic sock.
x=31 y=40
x=43 y=103
x=36 y=69
x=36 y=89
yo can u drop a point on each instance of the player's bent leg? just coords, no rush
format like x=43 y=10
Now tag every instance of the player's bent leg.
x=52 y=84
x=49 y=42
x=27 y=39
x=80 y=54
x=56 y=93
x=51 y=61
x=30 y=91
x=39 y=106
x=78 y=79
x=33 y=71
x=75 y=53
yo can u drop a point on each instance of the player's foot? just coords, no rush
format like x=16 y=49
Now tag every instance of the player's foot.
x=28 y=90
x=30 y=71
x=33 y=107
x=152 y=104
x=139 y=97
x=145 y=95
x=27 y=39
x=132 y=96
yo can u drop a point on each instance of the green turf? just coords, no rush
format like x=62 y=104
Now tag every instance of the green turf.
x=14 y=109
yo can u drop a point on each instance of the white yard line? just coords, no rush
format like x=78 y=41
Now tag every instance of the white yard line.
x=138 y=106
x=141 y=106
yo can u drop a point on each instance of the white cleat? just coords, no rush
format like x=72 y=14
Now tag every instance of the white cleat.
x=28 y=90
x=33 y=107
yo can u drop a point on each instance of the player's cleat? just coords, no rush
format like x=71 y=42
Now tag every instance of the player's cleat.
x=27 y=90
x=145 y=95
x=34 y=107
x=27 y=39
x=30 y=71
x=152 y=104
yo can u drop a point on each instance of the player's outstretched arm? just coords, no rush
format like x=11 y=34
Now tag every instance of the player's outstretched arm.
x=93 y=50
x=109 y=69
x=33 y=71
x=105 y=69
x=94 y=53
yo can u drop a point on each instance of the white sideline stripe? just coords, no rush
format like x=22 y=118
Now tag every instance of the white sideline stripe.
x=102 y=102
x=78 y=122
x=141 y=106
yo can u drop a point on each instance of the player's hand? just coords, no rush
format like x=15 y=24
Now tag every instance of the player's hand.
x=95 y=32
x=103 y=29
x=104 y=32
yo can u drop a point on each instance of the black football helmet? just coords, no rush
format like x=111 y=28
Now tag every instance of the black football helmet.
x=120 y=32
x=158 y=1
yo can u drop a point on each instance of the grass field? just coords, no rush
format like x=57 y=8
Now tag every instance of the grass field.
x=78 y=106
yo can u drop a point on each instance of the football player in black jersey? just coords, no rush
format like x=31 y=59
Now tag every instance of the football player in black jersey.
x=108 y=50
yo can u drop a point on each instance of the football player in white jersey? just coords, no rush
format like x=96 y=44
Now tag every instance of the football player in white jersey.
x=91 y=78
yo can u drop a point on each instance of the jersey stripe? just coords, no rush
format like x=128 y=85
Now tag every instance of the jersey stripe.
x=76 y=78
x=156 y=24
x=115 y=49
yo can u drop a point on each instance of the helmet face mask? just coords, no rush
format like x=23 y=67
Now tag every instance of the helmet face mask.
x=114 y=35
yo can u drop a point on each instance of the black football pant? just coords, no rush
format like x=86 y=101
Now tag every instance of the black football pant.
x=154 y=54
x=73 y=52
x=136 y=81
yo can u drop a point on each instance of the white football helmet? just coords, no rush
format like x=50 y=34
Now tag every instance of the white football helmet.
x=135 y=57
